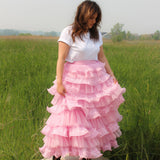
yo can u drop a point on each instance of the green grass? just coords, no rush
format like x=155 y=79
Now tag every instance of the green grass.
x=136 y=67
x=27 y=69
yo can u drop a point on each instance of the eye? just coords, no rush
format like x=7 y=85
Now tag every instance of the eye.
x=93 y=18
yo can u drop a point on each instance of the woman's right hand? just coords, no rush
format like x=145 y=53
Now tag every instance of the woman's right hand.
x=61 y=90
x=63 y=50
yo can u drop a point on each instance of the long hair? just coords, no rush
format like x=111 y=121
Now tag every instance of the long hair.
x=85 y=11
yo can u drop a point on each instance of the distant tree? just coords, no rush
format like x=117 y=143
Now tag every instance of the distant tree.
x=52 y=33
x=8 y=32
x=124 y=35
x=156 y=35
x=117 y=32
x=130 y=36
x=145 y=37
x=25 y=34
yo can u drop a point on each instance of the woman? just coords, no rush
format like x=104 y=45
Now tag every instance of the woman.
x=84 y=117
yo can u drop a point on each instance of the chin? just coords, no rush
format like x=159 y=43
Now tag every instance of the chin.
x=90 y=26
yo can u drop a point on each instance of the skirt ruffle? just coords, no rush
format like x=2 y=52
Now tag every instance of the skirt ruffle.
x=85 y=121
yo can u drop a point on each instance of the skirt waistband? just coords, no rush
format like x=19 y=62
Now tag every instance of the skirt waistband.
x=84 y=62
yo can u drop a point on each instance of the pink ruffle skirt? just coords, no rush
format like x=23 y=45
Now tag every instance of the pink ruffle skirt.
x=85 y=121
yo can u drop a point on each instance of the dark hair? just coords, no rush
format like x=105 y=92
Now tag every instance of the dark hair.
x=85 y=11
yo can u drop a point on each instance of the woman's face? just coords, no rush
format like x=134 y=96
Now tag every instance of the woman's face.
x=91 y=21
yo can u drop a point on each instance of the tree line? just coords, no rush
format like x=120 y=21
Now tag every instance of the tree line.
x=117 y=34
x=12 y=32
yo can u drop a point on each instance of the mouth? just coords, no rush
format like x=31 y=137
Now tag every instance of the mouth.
x=91 y=25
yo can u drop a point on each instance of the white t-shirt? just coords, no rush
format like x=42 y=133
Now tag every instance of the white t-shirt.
x=86 y=49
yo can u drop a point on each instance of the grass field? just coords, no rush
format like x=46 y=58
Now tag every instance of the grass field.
x=27 y=69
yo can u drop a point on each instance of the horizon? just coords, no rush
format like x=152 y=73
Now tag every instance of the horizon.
x=28 y=31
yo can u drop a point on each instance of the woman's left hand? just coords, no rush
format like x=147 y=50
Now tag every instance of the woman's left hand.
x=114 y=79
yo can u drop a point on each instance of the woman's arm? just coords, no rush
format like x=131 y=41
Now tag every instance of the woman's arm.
x=102 y=58
x=63 y=50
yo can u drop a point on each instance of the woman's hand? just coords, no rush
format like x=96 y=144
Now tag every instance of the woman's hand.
x=61 y=90
x=115 y=80
x=102 y=58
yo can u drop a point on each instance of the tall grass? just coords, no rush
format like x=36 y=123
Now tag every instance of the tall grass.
x=27 y=69
x=136 y=67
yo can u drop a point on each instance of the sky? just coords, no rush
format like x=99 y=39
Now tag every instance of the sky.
x=138 y=16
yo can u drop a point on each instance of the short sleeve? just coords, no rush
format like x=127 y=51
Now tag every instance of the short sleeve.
x=100 y=38
x=65 y=35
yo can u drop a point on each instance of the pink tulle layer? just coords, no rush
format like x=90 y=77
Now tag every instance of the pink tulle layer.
x=85 y=121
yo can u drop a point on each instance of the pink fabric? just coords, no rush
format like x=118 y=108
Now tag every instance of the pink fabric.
x=85 y=121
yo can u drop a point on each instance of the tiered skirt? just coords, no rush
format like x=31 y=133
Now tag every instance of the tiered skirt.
x=84 y=122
